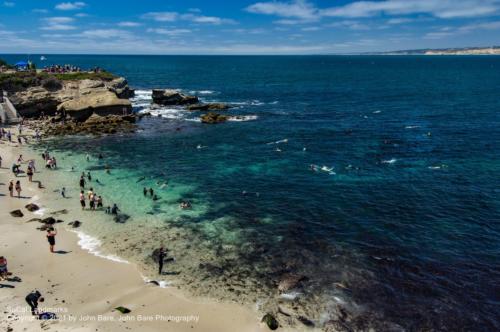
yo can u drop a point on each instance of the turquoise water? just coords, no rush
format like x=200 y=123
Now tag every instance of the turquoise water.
x=402 y=208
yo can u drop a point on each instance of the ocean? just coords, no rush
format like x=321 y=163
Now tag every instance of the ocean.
x=373 y=178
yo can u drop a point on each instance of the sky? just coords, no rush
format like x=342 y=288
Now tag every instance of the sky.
x=244 y=27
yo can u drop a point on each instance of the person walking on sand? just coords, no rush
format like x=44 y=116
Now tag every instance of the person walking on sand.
x=89 y=177
x=32 y=299
x=92 y=201
x=0 y=161
x=115 y=209
x=161 y=259
x=63 y=192
x=3 y=268
x=29 y=172
x=82 y=200
x=51 y=237
x=18 y=189
x=11 y=188
x=82 y=182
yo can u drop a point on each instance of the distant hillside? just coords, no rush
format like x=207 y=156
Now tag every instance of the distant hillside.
x=493 y=50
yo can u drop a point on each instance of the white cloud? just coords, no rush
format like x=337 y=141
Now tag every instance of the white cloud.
x=129 y=24
x=71 y=5
x=169 y=32
x=309 y=29
x=445 y=32
x=441 y=8
x=195 y=18
x=9 y=4
x=40 y=11
x=106 y=33
x=349 y=24
x=298 y=9
x=161 y=16
x=58 y=23
x=81 y=15
x=401 y=20
x=302 y=10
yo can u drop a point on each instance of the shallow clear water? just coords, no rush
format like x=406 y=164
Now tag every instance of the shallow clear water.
x=407 y=219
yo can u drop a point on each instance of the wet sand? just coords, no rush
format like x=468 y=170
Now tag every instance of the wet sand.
x=83 y=289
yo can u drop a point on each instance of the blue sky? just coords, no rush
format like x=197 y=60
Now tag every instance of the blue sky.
x=244 y=27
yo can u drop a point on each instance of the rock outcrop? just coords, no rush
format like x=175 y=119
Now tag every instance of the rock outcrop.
x=94 y=125
x=172 y=97
x=208 y=107
x=17 y=213
x=32 y=207
x=213 y=118
x=101 y=102
x=78 y=98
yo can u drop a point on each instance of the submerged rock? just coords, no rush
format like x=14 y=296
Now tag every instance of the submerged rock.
x=55 y=213
x=75 y=224
x=208 y=107
x=270 y=321
x=121 y=218
x=17 y=213
x=290 y=281
x=212 y=118
x=32 y=207
x=172 y=97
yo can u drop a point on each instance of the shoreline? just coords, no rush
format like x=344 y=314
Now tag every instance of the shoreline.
x=86 y=286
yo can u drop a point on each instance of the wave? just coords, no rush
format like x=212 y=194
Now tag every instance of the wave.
x=390 y=161
x=161 y=283
x=92 y=245
x=167 y=113
x=201 y=92
x=412 y=127
x=243 y=118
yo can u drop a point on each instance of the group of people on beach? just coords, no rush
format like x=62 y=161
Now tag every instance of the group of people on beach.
x=60 y=69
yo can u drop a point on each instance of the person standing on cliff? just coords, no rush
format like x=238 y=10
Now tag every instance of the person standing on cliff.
x=161 y=259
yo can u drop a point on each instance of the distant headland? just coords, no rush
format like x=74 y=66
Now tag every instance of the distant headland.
x=492 y=50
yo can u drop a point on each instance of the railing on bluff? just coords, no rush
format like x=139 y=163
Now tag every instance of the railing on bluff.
x=8 y=113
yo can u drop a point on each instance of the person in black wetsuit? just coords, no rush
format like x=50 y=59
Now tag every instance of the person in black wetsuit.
x=145 y=191
x=161 y=258
x=82 y=182
x=114 y=209
x=151 y=192
x=32 y=299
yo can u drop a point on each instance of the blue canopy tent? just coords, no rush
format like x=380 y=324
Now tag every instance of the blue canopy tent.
x=21 y=65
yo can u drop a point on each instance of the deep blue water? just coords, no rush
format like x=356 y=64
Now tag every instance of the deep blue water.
x=415 y=146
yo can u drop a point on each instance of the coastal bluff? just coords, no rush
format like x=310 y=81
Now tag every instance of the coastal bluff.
x=78 y=96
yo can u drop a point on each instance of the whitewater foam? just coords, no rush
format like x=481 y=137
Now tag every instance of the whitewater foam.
x=92 y=245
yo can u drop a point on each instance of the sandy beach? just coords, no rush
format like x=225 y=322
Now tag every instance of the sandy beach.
x=81 y=288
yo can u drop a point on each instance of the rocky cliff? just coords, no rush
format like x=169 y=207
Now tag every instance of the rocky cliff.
x=78 y=98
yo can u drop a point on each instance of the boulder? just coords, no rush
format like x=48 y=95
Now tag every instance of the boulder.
x=290 y=281
x=208 y=107
x=100 y=102
x=48 y=221
x=120 y=87
x=123 y=310
x=32 y=207
x=17 y=213
x=270 y=321
x=75 y=224
x=172 y=97
x=213 y=118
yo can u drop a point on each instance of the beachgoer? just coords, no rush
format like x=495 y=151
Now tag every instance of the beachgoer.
x=20 y=159
x=114 y=209
x=11 y=188
x=145 y=191
x=108 y=210
x=51 y=237
x=161 y=259
x=63 y=192
x=88 y=157
x=82 y=182
x=151 y=192
x=40 y=186
x=99 y=202
x=82 y=199
x=32 y=299
x=3 y=268
x=92 y=201
x=18 y=189
x=29 y=172
x=89 y=177
x=0 y=162
x=90 y=192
